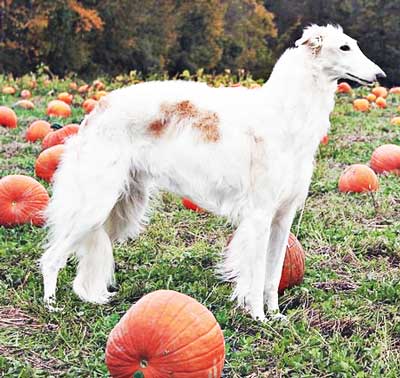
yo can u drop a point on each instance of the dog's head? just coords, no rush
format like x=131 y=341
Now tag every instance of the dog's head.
x=338 y=55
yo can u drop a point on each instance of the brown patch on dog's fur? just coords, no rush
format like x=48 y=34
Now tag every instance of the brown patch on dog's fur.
x=157 y=127
x=206 y=122
x=185 y=109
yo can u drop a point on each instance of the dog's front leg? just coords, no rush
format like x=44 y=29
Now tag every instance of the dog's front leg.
x=280 y=229
x=245 y=257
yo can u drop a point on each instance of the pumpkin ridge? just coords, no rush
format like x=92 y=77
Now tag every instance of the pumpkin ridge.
x=182 y=330
x=197 y=370
x=165 y=304
x=157 y=352
x=193 y=358
x=186 y=345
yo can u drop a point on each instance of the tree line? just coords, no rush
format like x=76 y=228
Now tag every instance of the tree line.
x=92 y=37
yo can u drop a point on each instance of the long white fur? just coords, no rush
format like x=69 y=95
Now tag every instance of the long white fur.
x=256 y=174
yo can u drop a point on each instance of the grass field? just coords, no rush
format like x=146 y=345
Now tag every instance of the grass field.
x=344 y=318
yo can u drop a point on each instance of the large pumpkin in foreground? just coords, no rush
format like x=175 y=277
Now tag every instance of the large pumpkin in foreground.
x=293 y=266
x=22 y=200
x=166 y=334
x=358 y=178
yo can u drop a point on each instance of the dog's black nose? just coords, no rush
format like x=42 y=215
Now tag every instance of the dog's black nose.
x=380 y=75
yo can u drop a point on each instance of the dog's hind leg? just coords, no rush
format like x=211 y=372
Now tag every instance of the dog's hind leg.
x=126 y=220
x=95 y=268
x=280 y=229
x=129 y=215
x=87 y=185
x=51 y=262
x=244 y=262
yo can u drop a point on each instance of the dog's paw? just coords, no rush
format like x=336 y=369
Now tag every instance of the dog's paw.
x=278 y=317
x=49 y=304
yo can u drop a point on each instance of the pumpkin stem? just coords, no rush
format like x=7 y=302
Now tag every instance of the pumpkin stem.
x=56 y=126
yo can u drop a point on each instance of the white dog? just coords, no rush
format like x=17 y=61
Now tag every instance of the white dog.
x=243 y=154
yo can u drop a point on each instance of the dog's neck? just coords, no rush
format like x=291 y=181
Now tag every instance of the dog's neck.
x=297 y=82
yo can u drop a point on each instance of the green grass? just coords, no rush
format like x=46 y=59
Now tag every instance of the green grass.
x=344 y=318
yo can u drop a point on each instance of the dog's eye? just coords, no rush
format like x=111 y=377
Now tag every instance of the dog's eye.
x=345 y=48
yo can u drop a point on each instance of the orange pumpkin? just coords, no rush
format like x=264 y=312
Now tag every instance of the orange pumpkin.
x=83 y=88
x=380 y=92
x=59 y=136
x=25 y=93
x=386 y=158
x=358 y=178
x=88 y=105
x=166 y=334
x=32 y=83
x=65 y=97
x=57 y=108
x=25 y=104
x=22 y=200
x=361 y=104
x=47 y=162
x=73 y=86
x=343 y=88
x=99 y=85
x=8 y=118
x=395 y=90
x=98 y=95
x=191 y=205
x=8 y=90
x=395 y=121
x=37 y=130
x=371 y=97
x=293 y=265
x=381 y=102
x=325 y=140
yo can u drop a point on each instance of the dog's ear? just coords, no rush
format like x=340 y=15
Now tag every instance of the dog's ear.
x=312 y=38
